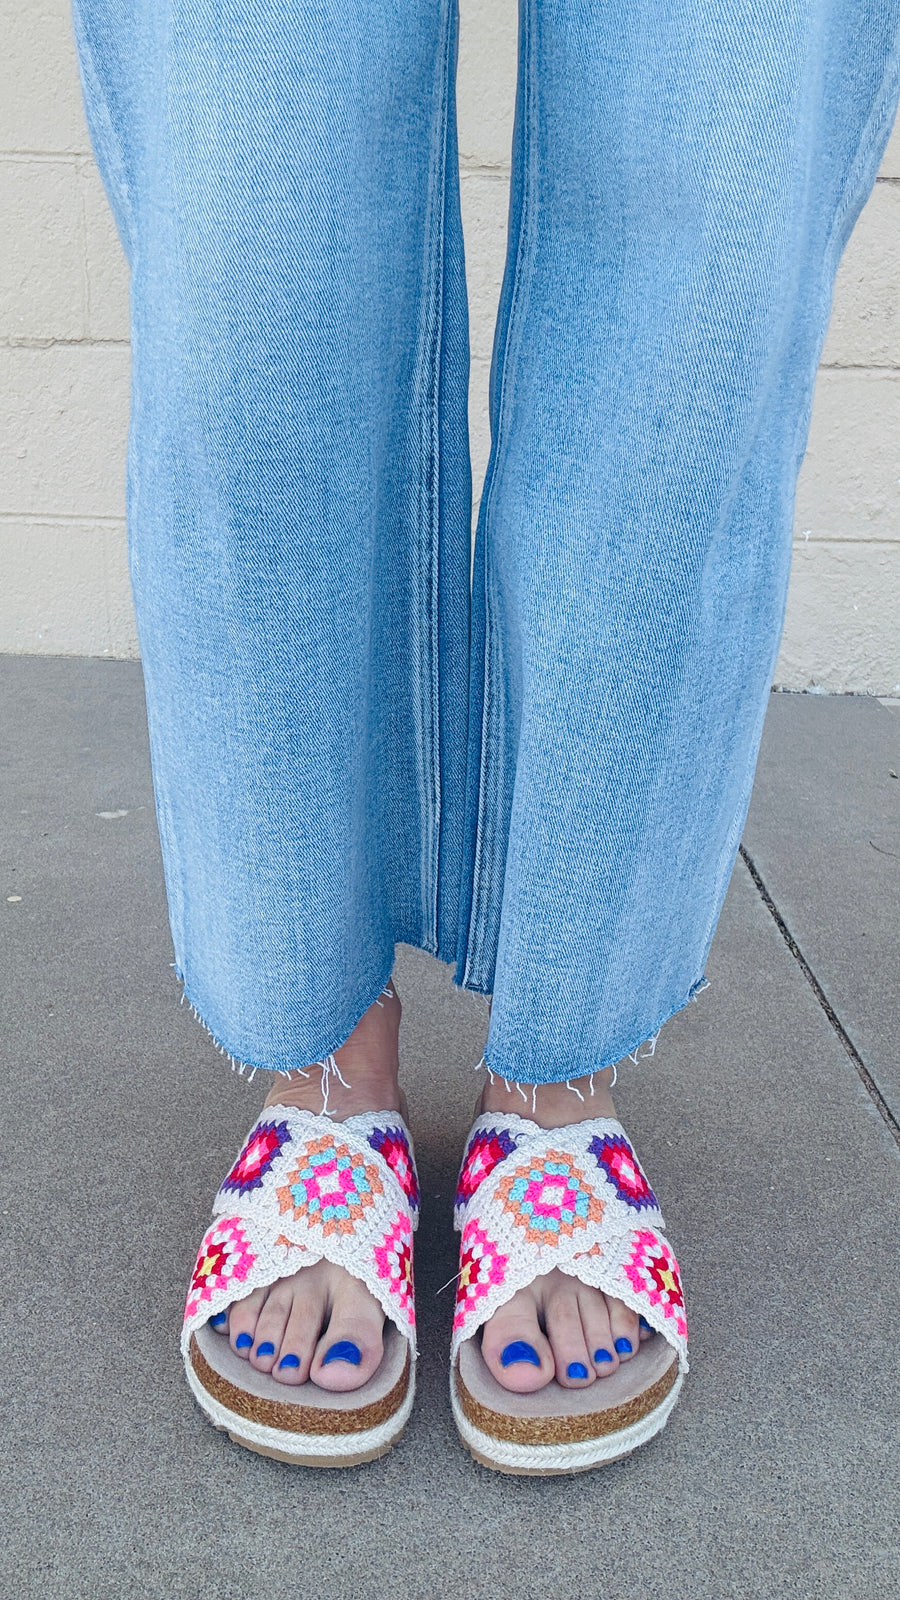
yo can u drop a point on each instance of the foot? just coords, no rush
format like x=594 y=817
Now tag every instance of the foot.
x=558 y=1328
x=321 y=1323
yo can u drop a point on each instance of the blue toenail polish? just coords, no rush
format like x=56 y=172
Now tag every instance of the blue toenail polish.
x=344 y=1350
x=289 y=1361
x=645 y=1324
x=519 y=1351
x=219 y=1320
x=266 y=1348
x=623 y=1346
x=603 y=1355
x=243 y=1341
x=576 y=1369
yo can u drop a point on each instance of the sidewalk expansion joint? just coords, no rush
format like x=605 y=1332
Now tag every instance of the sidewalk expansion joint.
x=865 y=1075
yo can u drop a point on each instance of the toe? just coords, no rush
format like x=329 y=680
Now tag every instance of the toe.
x=624 y=1327
x=597 y=1332
x=351 y=1346
x=309 y=1308
x=243 y=1316
x=515 y=1349
x=272 y=1321
x=219 y=1322
x=562 y=1314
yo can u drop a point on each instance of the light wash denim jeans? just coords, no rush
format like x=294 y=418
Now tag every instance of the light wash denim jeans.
x=549 y=791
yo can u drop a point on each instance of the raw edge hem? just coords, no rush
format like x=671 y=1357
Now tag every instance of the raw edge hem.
x=573 y=1069
x=241 y=1066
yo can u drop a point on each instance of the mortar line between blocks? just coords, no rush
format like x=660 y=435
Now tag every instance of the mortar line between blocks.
x=868 y=1082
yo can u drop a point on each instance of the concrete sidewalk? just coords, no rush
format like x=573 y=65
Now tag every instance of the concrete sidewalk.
x=765 y=1119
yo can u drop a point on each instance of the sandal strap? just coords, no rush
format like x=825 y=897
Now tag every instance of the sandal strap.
x=532 y=1199
x=305 y=1189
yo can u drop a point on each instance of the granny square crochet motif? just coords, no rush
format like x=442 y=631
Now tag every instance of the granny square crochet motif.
x=393 y=1145
x=256 y=1157
x=576 y=1198
x=331 y=1186
x=306 y=1189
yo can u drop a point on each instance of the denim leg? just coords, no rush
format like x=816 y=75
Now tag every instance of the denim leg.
x=284 y=175
x=686 y=174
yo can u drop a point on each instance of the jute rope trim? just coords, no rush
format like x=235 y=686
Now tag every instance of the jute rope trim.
x=318 y=1449
x=283 y=1416
x=575 y=1457
x=561 y=1430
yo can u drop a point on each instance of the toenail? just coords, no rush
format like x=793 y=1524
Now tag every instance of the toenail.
x=219 y=1320
x=519 y=1351
x=266 y=1348
x=603 y=1355
x=576 y=1369
x=645 y=1324
x=243 y=1341
x=289 y=1361
x=623 y=1346
x=344 y=1350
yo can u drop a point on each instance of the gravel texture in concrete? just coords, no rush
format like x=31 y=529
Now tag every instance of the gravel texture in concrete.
x=780 y=1180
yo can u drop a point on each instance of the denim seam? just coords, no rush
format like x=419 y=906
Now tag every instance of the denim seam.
x=876 y=128
x=426 y=623
x=486 y=867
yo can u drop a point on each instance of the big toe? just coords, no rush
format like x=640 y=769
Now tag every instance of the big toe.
x=351 y=1346
x=514 y=1348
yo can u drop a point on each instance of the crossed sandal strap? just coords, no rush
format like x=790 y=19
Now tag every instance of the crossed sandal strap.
x=305 y=1189
x=530 y=1199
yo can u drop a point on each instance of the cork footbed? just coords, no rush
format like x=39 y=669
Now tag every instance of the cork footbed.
x=558 y=1416
x=302 y=1408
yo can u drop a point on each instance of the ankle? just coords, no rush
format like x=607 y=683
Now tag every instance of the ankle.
x=361 y=1075
x=551 y=1105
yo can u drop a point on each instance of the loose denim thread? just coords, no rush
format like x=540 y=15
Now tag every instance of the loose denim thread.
x=330 y=1070
x=511 y=1083
x=240 y=1067
x=645 y=1051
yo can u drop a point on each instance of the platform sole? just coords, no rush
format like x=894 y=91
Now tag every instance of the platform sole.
x=559 y=1430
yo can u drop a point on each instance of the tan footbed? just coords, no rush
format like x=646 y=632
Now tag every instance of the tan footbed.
x=302 y=1408
x=558 y=1416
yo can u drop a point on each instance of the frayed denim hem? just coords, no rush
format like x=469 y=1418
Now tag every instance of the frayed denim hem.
x=642 y=1050
x=249 y=1069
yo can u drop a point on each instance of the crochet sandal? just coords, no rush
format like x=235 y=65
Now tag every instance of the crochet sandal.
x=305 y=1189
x=530 y=1199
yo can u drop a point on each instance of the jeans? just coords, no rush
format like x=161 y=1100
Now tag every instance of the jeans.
x=544 y=783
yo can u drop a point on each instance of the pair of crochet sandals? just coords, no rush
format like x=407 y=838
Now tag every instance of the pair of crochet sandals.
x=305 y=1188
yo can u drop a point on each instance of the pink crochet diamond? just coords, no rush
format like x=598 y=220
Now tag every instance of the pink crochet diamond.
x=653 y=1271
x=393 y=1261
x=480 y=1266
x=224 y=1258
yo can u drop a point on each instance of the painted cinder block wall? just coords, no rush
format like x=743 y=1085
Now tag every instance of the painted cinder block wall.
x=64 y=380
